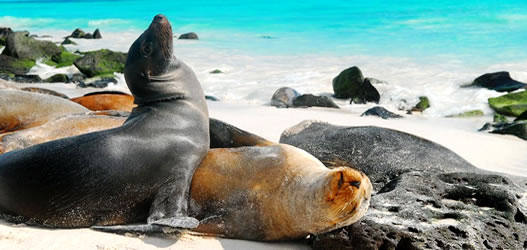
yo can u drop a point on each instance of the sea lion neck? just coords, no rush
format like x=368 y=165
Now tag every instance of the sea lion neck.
x=151 y=69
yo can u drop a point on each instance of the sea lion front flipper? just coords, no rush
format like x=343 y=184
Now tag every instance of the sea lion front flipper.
x=224 y=135
x=178 y=222
x=138 y=228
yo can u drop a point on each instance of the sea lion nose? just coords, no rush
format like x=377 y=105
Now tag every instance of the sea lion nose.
x=159 y=18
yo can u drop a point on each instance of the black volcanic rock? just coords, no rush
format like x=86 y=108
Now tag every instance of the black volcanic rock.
x=425 y=196
x=309 y=100
x=380 y=112
x=190 y=36
x=97 y=34
x=499 y=81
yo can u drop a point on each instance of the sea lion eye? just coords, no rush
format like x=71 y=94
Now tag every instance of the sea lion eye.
x=146 y=48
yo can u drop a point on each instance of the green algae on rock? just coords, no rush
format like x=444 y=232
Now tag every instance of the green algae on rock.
x=101 y=62
x=512 y=104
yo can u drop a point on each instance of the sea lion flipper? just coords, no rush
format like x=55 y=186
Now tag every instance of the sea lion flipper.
x=224 y=135
x=178 y=222
x=138 y=228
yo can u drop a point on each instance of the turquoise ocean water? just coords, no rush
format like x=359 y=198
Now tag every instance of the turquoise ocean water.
x=473 y=32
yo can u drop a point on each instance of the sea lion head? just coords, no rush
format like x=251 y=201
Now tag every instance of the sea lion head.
x=150 y=63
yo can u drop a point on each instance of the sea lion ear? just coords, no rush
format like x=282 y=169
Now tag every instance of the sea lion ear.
x=146 y=48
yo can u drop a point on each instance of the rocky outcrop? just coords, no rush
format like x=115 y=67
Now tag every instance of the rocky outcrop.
x=189 y=36
x=78 y=33
x=13 y=66
x=19 y=45
x=101 y=62
x=512 y=104
x=499 y=81
x=380 y=112
x=309 y=100
x=283 y=97
x=350 y=83
x=97 y=34
x=426 y=196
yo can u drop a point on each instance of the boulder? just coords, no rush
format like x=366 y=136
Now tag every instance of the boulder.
x=517 y=128
x=78 y=33
x=15 y=66
x=77 y=78
x=64 y=59
x=499 y=81
x=423 y=104
x=309 y=100
x=190 y=35
x=471 y=113
x=57 y=78
x=101 y=62
x=20 y=45
x=426 y=196
x=512 y=104
x=380 y=112
x=347 y=83
x=283 y=97
x=97 y=34
x=366 y=93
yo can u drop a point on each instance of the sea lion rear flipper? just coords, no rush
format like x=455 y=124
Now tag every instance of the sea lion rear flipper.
x=224 y=135
x=178 y=222
x=138 y=228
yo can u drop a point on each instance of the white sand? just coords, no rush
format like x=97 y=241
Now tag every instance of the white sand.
x=500 y=153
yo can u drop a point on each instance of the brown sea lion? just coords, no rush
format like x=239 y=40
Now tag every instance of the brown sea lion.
x=106 y=100
x=138 y=172
x=22 y=109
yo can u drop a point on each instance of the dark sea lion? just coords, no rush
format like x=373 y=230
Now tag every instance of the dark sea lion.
x=106 y=100
x=121 y=175
x=21 y=109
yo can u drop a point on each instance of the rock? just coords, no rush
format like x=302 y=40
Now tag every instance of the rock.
x=521 y=117
x=77 y=78
x=212 y=98
x=97 y=82
x=101 y=62
x=64 y=59
x=15 y=66
x=78 y=33
x=20 y=46
x=4 y=32
x=512 y=104
x=380 y=112
x=27 y=79
x=471 y=113
x=57 y=78
x=499 y=118
x=309 y=100
x=216 y=71
x=517 y=128
x=97 y=34
x=347 y=83
x=366 y=93
x=283 y=97
x=499 y=81
x=68 y=41
x=423 y=104
x=426 y=196
x=190 y=35
x=375 y=81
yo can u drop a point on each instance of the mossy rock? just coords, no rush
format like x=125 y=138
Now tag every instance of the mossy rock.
x=518 y=129
x=471 y=113
x=499 y=118
x=58 y=78
x=510 y=104
x=12 y=65
x=423 y=104
x=216 y=71
x=20 y=45
x=101 y=62
x=65 y=58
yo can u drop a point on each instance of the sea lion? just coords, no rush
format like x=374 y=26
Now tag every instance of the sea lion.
x=22 y=109
x=116 y=176
x=237 y=189
x=273 y=193
x=66 y=126
x=45 y=91
x=106 y=100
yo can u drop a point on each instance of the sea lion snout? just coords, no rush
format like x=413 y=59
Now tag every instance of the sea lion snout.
x=160 y=18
